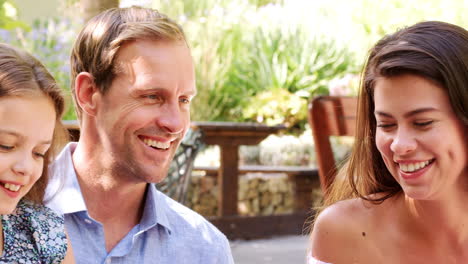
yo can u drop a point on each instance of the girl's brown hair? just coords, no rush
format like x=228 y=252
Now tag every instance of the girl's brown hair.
x=22 y=74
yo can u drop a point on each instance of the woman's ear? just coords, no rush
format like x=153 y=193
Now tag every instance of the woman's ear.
x=86 y=93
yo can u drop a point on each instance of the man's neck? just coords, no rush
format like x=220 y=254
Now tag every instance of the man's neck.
x=116 y=204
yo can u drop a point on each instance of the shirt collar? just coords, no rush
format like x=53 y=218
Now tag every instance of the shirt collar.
x=155 y=210
x=63 y=193
x=66 y=198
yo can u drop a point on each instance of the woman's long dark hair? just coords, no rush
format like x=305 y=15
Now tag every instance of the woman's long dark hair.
x=434 y=50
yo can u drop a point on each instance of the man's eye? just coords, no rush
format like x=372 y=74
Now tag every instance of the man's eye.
x=184 y=100
x=151 y=96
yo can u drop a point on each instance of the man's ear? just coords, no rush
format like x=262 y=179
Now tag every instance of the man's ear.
x=87 y=93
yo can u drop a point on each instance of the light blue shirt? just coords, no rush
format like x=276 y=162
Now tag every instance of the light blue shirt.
x=168 y=232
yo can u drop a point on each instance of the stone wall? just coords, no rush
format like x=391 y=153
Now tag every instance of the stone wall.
x=259 y=194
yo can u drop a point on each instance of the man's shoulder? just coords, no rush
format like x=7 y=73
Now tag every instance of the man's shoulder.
x=185 y=221
x=195 y=233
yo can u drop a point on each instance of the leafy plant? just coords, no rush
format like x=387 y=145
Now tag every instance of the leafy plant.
x=277 y=106
x=49 y=41
x=282 y=70
x=8 y=19
x=244 y=57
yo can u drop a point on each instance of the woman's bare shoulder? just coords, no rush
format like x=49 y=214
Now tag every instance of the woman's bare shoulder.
x=340 y=218
x=340 y=231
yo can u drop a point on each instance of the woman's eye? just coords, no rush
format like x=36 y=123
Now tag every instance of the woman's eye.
x=384 y=125
x=424 y=123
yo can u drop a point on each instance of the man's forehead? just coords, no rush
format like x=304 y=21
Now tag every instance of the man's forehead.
x=150 y=51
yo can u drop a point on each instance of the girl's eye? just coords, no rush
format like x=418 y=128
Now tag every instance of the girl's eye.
x=5 y=147
x=40 y=155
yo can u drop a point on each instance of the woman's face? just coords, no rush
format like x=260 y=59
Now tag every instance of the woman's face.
x=26 y=129
x=420 y=139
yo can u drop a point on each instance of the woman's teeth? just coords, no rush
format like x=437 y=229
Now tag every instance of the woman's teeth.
x=12 y=187
x=410 y=167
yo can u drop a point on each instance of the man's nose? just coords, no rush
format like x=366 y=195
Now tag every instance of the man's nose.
x=172 y=119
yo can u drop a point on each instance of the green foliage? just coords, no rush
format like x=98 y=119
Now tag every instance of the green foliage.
x=277 y=106
x=243 y=58
x=256 y=60
x=8 y=18
x=49 y=41
x=287 y=67
x=260 y=3
x=360 y=23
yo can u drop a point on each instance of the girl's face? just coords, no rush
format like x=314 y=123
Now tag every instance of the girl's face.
x=421 y=140
x=26 y=129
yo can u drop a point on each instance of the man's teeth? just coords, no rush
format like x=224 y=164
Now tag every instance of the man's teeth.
x=410 y=167
x=157 y=144
x=12 y=187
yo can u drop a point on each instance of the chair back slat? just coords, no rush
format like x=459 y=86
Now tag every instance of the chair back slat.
x=330 y=116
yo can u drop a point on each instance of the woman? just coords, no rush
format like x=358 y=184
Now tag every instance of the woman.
x=405 y=197
x=31 y=106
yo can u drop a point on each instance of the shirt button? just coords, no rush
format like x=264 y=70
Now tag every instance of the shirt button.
x=87 y=221
x=108 y=261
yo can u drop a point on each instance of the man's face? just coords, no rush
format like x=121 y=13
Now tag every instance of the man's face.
x=145 y=113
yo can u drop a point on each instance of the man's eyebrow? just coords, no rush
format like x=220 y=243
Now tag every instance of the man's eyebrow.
x=191 y=92
x=141 y=90
x=409 y=114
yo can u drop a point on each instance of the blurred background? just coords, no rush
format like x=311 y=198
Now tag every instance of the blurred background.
x=256 y=60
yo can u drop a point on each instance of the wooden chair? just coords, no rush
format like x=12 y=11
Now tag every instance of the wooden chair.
x=177 y=181
x=330 y=116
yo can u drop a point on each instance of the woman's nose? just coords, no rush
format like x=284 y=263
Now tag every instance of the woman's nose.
x=403 y=142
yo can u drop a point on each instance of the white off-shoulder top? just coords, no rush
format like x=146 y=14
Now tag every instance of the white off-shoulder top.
x=312 y=260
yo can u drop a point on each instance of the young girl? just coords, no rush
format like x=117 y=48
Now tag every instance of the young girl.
x=405 y=198
x=31 y=106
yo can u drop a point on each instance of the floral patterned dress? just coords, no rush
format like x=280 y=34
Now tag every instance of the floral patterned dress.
x=33 y=234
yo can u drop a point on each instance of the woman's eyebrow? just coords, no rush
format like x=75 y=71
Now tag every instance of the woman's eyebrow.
x=410 y=113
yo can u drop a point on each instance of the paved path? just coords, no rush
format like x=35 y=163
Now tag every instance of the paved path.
x=277 y=250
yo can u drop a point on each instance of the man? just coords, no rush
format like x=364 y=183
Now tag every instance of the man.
x=133 y=84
